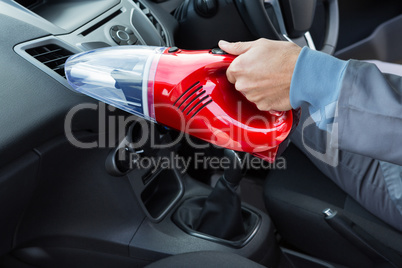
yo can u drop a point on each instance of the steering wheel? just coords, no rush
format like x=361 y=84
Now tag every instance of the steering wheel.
x=291 y=13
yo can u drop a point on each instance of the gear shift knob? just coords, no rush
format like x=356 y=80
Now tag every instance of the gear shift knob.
x=234 y=172
x=221 y=214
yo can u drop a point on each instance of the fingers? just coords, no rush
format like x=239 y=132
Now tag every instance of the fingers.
x=236 y=71
x=235 y=48
x=261 y=71
x=230 y=76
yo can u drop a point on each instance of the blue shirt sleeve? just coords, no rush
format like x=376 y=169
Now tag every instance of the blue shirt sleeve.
x=317 y=81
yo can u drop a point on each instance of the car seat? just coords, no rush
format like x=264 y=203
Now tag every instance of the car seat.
x=296 y=198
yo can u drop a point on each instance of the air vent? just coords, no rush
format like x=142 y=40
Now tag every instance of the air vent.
x=51 y=55
x=153 y=20
x=193 y=100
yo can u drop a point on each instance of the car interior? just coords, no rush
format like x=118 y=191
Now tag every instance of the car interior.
x=68 y=200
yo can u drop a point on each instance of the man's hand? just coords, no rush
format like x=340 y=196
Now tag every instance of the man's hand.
x=263 y=71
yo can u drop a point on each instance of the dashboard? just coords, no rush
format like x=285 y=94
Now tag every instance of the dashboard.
x=37 y=38
x=99 y=24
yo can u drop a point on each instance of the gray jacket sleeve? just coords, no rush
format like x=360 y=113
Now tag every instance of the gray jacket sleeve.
x=370 y=113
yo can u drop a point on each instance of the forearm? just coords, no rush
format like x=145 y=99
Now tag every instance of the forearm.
x=316 y=81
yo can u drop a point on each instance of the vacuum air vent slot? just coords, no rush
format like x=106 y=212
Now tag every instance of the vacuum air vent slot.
x=199 y=105
x=193 y=99
x=189 y=90
x=200 y=108
x=51 y=55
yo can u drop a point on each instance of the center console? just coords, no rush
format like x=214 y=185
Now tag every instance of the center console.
x=174 y=202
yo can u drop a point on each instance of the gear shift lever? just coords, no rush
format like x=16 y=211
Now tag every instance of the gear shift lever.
x=234 y=173
x=221 y=215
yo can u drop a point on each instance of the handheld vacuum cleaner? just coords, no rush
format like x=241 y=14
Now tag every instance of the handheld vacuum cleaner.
x=181 y=89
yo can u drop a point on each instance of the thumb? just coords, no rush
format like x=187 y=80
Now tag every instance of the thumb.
x=234 y=48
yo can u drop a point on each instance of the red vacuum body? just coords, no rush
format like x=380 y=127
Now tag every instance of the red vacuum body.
x=182 y=89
